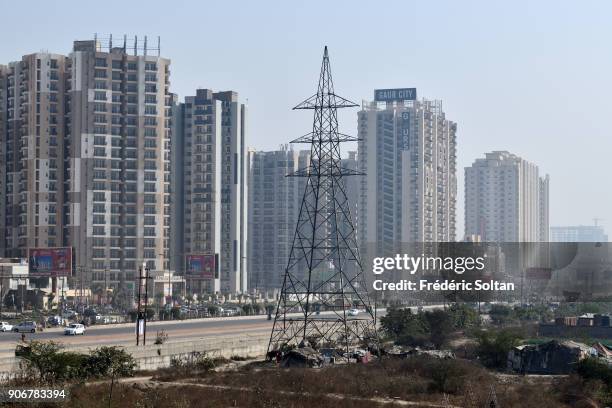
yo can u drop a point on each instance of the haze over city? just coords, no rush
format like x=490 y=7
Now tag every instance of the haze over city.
x=530 y=78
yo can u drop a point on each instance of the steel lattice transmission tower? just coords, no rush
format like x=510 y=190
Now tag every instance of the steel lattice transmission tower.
x=324 y=276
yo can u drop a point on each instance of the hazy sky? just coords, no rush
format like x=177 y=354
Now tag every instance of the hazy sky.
x=530 y=77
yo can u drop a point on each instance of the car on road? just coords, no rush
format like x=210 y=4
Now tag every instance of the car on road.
x=55 y=321
x=25 y=327
x=353 y=312
x=5 y=326
x=74 y=329
x=69 y=314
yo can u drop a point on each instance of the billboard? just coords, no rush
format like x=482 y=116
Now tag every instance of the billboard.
x=50 y=262
x=397 y=94
x=201 y=266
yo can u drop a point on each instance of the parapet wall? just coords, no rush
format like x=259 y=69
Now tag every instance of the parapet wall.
x=152 y=357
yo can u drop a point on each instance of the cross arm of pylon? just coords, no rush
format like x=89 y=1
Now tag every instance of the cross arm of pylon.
x=312 y=137
x=337 y=172
x=326 y=100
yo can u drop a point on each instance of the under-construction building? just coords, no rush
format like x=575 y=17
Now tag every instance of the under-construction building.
x=86 y=141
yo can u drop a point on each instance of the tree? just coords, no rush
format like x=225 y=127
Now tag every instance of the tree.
x=213 y=310
x=40 y=357
x=464 y=316
x=395 y=322
x=440 y=325
x=247 y=309
x=501 y=314
x=257 y=308
x=494 y=346
x=108 y=361
x=404 y=327
x=159 y=298
x=50 y=298
x=122 y=298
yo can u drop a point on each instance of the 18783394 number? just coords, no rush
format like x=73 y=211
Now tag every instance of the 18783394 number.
x=32 y=394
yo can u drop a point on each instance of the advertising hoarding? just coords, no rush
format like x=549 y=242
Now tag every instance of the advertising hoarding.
x=50 y=262
x=201 y=266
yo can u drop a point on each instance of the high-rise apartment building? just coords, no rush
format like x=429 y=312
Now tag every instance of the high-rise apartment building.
x=212 y=202
x=3 y=134
x=87 y=145
x=119 y=166
x=578 y=233
x=34 y=129
x=352 y=184
x=506 y=200
x=407 y=150
x=274 y=205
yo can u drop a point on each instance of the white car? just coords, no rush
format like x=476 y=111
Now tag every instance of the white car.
x=5 y=326
x=74 y=329
x=353 y=312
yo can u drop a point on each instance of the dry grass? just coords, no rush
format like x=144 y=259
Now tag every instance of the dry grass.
x=260 y=385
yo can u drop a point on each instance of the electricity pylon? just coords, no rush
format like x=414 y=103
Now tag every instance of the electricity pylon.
x=324 y=276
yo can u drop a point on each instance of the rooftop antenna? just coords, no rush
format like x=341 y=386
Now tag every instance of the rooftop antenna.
x=135 y=45
x=124 y=42
x=145 y=46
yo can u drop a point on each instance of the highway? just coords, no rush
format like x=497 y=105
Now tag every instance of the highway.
x=124 y=334
x=177 y=330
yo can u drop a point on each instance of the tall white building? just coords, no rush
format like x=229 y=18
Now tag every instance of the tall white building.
x=407 y=150
x=506 y=200
x=212 y=199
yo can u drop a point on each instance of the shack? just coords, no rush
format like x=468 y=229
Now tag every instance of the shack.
x=553 y=357
x=302 y=357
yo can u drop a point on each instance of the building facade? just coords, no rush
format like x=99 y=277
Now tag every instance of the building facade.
x=274 y=205
x=506 y=200
x=34 y=99
x=578 y=233
x=407 y=150
x=118 y=215
x=212 y=197
x=86 y=140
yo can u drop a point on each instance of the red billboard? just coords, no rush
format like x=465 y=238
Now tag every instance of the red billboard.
x=201 y=266
x=50 y=262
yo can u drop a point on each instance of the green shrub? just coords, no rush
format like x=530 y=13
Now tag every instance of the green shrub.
x=107 y=361
x=594 y=369
x=50 y=364
x=493 y=346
